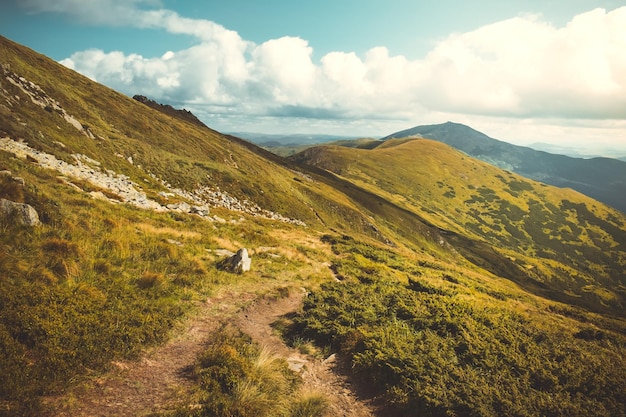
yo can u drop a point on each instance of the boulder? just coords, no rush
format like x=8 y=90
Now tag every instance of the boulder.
x=202 y=211
x=238 y=263
x=22 y=213
x=181 y=207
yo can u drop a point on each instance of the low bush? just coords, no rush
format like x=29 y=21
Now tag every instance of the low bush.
x=431 y=352
x=309 y=405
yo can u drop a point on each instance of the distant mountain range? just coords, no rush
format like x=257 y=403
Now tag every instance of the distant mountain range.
x=603 y=179
x=578 y=152
x=294 y=139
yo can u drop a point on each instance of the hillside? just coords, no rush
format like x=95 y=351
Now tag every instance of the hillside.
x=548 y=239
x=289 y=150
x=600 y=178
x=397 y=265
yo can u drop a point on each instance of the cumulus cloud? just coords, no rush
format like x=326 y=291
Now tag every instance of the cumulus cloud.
x=523 y=67
x=526 y=67
x=284 y=67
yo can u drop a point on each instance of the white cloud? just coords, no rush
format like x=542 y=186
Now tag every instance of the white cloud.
x=126 y=72
x=523 y=67
x=284 y=67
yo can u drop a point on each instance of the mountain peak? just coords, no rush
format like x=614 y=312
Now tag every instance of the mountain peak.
x=599 y=179
x=448 y=130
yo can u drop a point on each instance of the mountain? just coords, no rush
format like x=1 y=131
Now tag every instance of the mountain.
x=603 y=179
x=457 y=287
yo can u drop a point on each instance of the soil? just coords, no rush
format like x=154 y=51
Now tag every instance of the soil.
x=157 y=382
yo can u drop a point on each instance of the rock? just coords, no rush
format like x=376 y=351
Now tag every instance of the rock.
x=7 y=173
x=222 y=252
x=99 y=195
x=296 y=363
x=181 y=207
x=331 y=359
x=202 y=211
x=238 y=263
x=23 y=213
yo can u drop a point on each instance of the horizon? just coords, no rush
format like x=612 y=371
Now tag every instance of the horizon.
x=557 y=149
x=521 y=72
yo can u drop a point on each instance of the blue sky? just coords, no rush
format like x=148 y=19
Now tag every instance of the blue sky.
x=522 y=71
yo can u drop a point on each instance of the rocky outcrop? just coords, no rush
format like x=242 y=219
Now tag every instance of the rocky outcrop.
x=88 y=169
x=19 y=212
x=39 y=97
x=182 y=207
x=169 y=110
x=118 y=187
x=238 y=263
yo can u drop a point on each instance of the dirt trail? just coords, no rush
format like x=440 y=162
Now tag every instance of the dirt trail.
x=156 y=383
x=153 y=383
x=318 y=375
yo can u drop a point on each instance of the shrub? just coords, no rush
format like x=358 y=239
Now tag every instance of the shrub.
x=432 y=352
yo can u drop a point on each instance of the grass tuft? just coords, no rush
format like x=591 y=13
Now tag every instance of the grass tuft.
x=149 y=279
x=309 y=405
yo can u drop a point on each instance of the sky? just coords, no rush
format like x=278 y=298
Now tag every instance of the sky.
x=551 y=71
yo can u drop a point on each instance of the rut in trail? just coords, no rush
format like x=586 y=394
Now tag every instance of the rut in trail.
x=157 y=382
x=318 y=375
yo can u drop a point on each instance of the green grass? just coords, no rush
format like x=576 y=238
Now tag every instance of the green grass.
x=97 y=282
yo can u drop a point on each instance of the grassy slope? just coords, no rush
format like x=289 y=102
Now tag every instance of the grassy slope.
x=436 y=340
x=97 y=281
x=554 y=241
x=182 y=154
x=598 y=178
